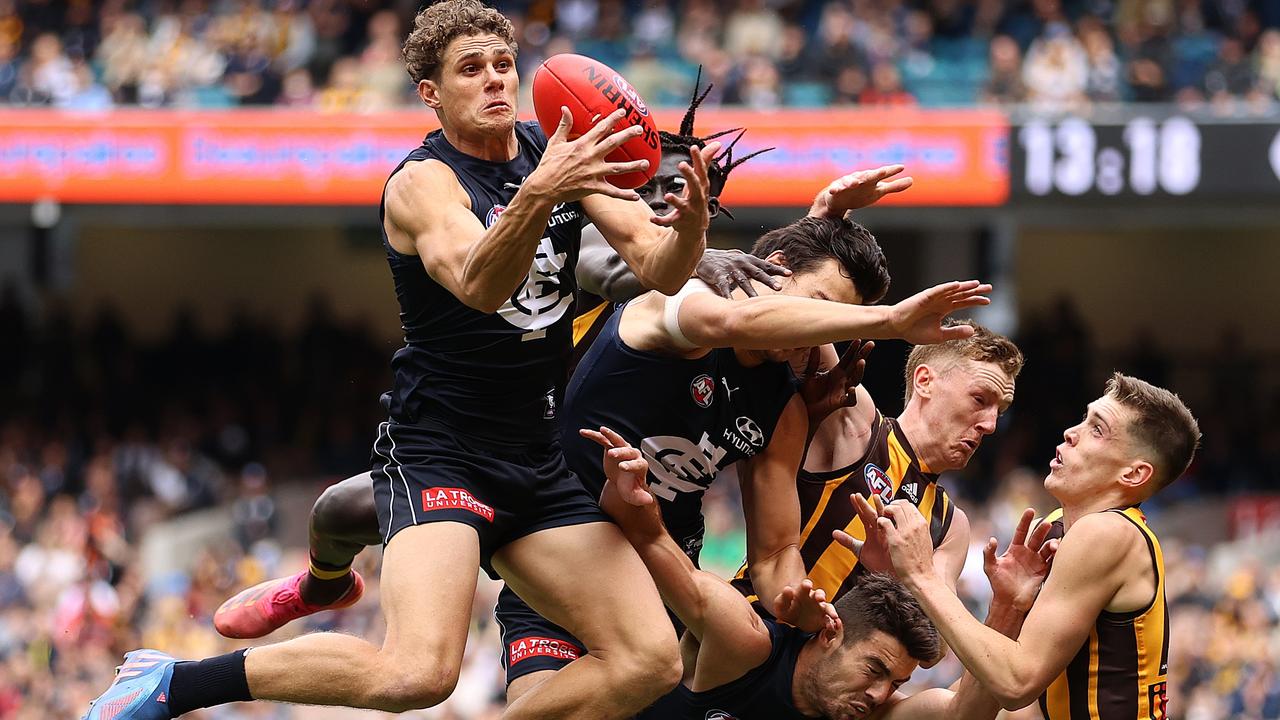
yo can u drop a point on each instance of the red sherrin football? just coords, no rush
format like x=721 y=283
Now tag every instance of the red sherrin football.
x=590 y=89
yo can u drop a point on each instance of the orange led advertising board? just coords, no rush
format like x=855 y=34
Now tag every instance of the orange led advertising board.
x=284 y=157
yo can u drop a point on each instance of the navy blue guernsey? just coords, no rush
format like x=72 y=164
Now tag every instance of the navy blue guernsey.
x=764 y=693
x=493 y=375
x=690 y=418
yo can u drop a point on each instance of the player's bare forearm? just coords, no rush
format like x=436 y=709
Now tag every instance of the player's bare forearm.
x=669 y=260
x=678 y=581
x=497 y=262
x=997 y=661
x=782 y=321
x=772 y=573
x=662 y=258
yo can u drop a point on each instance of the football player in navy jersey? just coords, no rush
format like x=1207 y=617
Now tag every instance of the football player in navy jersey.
x=481 y=229
x=749 y=667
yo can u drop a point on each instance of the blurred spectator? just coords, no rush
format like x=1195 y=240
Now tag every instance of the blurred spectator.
x=753 y=29
x=1267 y=62
x=1004 y=86
x=200 y=54
x=1104 y=81
x=1056 y=71
x=886 y=88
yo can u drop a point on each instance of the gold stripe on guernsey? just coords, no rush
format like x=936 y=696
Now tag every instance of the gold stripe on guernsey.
x=1058 y=699
x=583 y=322
x=821 y=507
x=837 y=561
x=828 y=489
x=927 y=500
x=1148 y=628
x=1092 y=691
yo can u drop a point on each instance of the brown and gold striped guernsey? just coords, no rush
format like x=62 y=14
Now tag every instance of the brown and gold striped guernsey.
x=890 y=469
x=1120 y=672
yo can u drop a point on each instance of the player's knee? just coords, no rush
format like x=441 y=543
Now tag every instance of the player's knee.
x=336 y=512
x=653 y=666
x=413 y=687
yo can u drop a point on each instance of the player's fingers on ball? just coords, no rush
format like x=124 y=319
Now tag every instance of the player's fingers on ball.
x=1039 y=534
x=618 y=139
x=622 y=168
x=566 y=122
x=605 y=125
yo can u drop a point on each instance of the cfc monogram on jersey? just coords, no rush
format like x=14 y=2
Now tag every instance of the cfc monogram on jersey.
x=689 y=417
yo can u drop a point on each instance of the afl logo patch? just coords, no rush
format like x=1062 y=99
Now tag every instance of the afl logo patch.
x=878 y=482
x=703 y=390
x=494 y=212
x=631 y=94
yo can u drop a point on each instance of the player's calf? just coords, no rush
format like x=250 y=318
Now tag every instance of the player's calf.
x=343 y=522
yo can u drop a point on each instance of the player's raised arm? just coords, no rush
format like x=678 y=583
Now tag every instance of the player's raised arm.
x=1089 y=569
x=1016 y=576
x=784 y=321
x=661 y=251
x=771 y=508
x=858 y=190
x=714 y=612
x=427 y=205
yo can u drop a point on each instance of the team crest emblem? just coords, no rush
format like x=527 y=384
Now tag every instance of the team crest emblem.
x=878 y=482
x=703 y=390
x=494 y=213
x=1158 y=701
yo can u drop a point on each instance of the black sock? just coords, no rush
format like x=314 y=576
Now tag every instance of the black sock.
x=208 y=682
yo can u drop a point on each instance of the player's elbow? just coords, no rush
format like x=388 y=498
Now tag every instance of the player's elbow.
x=480 y=298
x=1017 y=691
x=667 y=283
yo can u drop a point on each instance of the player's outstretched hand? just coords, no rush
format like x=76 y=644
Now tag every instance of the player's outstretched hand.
x=1016 y=575
x=873 y=552
x=690 y=214
x=826 y=391
x=918 y=319
x=725 y=270
x=858 y=190
x=805 y=607
x=626 y=470
x=573 y=169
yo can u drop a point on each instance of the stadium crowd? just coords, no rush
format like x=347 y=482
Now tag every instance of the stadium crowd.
x=105 y=437
x=342 y=55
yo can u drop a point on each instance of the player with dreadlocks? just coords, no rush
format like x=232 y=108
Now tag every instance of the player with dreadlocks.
x=605 y=280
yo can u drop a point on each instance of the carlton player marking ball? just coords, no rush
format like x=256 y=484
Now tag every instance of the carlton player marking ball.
x=590 y=89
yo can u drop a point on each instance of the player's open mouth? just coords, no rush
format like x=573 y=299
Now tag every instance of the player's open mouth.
x=1056 y=462
x=497 y=104
x=861 y=710
x=970 y=444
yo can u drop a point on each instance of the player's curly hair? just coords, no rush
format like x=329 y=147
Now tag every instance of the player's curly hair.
x=436 y=25
x=684 y=142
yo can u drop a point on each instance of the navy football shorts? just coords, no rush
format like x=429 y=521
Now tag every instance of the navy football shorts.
x=425 y=473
